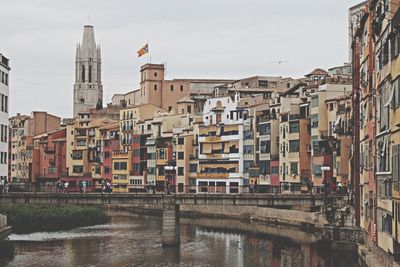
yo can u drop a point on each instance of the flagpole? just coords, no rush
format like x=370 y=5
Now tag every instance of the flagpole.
x=148 y=53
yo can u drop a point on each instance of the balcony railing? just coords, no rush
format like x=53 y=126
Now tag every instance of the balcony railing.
x=213 y=175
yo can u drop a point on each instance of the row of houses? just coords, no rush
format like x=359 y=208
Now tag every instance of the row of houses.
x=273 y=132
x=376 y=48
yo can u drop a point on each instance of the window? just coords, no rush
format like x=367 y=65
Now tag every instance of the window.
x=275 y=170
x=181 y=141
x=193 y=167
x=155 y=74
x=106 y=169
x=396 y=163
x=314 y=101
x=294 y=127
x=180 y=155
x=265 y=146
x=169 y=108
x=106 y=154
x=161 y=154
x=383 y=154
x=155 y=87
x=83 y=73
x=384 y=187
x=148 y=127
x=294 y=168
x=81 y=142
x=294 y=146
x=314 y=120
x=265 y=129
x=76 y=155
x=317 y=170
x=263 y=83
x=161 y=171
x=90 y=73
x=181 y=88
x=180 y=171
x=264 y=167
x=171 y=87
x=189 y=109
x=97 y=170
x=396 y=96
x=77 y=169
x=120 y=166
x=330 y=106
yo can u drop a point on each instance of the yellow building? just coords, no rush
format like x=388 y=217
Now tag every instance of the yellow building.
x=121 y=166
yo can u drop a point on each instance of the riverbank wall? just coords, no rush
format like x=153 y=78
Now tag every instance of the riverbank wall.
x=343 y=238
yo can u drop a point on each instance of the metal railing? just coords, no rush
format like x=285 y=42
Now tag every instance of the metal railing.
x=51 y=187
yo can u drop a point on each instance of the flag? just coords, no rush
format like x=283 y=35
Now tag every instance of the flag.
x=143 y=50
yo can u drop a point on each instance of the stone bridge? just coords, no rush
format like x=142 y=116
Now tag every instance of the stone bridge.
x=286 y=201
x=290 y=209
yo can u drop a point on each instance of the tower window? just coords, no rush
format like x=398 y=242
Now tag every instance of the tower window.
x=83 y=73
x=82 y=101
x=155 y=87
x=181 y=88
x=155 y=74
x=90 y=73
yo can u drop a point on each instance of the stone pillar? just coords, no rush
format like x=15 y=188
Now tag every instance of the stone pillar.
x=170 y=226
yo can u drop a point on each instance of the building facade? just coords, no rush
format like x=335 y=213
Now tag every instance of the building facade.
x=4 y=134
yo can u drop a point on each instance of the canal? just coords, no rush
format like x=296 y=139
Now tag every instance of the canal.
x=132 y=240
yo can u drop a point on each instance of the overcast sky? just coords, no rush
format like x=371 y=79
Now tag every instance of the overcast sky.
x=197 y=38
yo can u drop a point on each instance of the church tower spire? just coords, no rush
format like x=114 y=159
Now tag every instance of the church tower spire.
x=88 y=90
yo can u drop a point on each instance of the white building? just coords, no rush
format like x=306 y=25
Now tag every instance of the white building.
x=221 y=160
x=4 y=79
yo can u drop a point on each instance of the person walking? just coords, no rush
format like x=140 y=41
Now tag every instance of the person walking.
x=251 y=187
x=66 y=184
x=5 y=186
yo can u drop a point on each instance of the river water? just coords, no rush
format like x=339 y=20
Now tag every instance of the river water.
x=132 y=240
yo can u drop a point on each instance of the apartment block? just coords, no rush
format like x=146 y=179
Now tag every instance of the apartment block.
x=24 y=158
x=4 y=134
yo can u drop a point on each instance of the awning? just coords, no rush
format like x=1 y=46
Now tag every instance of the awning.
x=217 y=146
x=207 y=148
x=150 y=142
x=390 y=98
x=226 y=148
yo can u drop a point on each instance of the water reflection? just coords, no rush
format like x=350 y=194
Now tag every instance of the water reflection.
x=136 y=241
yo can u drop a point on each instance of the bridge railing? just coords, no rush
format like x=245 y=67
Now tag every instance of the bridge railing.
x=174 y=189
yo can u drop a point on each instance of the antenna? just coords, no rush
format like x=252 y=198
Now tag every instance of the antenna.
x=165 y=68
x=88 y=18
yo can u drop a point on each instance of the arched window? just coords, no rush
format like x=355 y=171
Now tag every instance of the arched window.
x=90 y=73
x=83 y=73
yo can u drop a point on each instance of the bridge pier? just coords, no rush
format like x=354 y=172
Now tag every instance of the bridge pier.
x=170 y=226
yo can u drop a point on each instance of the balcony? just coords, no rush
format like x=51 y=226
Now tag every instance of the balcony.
x=293 y=117
x=212 y=175
x=80 y=132
x=219 y=156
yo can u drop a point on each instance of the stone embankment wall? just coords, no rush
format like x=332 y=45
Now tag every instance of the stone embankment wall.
x=259 y=214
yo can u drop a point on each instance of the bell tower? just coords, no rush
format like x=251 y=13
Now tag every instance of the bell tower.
x=88 y=90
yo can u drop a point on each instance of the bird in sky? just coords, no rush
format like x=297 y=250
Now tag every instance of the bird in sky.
x=278 y=62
